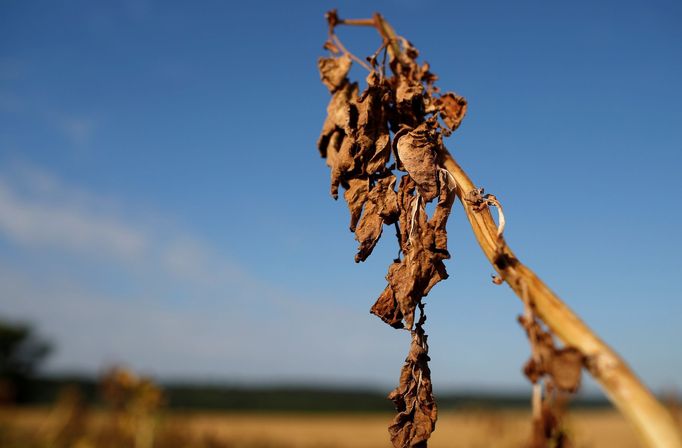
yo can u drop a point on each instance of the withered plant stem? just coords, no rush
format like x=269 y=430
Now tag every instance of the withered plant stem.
x=653 y=422
x=655 y=426
x=357 y=22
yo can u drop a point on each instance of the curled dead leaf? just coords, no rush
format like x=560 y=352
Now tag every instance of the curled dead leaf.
x=409 y=101
x=387 y=309
x=417 y=151
x=338 y=118
x=381 y=208
x=372 y=134
x=424 y=245
x=413 y=398
x=356 y=142
x=452 y=109
x=355 y=196
x=562 y=365
x=566 y=369
x=333 y=71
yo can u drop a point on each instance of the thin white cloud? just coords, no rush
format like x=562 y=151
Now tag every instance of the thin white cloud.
x=187 y=258
x=264 y=338
x=30 y=221
x=40 y=211
x=228 y=323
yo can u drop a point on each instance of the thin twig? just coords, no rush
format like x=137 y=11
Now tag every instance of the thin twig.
x=333 y=20
x=378 y=22
x=341 y=47
x=357 y=22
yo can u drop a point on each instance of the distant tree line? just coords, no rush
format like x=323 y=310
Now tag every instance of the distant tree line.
x=22 y=353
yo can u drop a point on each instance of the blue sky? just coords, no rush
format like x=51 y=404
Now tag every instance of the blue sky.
x=163 y=205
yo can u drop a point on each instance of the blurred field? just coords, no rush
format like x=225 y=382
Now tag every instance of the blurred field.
x=461 y=429
x=32 y=427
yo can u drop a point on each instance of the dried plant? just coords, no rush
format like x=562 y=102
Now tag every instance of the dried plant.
x=384 y=147
x=133 y=403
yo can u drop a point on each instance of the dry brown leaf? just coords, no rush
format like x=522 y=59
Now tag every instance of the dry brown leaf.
x=338 y=117
x=566 y=369
x=562 y=365
x=561 y=370
x=440 y=216
x=427 y=77
x=421 y=267
x=381 y=208
x=406 y=201
x=355 y=196
x=372 y=135
x=386 y=307
x=381 y=152
x=335 y=142
x=452 y=109
x=409 y=101
x=345 y=164
x=333 y=71
x=403 y=279
x=413 y=398
x=408 y=93
x=416 y=150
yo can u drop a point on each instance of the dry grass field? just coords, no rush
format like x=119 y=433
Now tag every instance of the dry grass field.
x=464 y=429
x=601 y=428
x=470 y=429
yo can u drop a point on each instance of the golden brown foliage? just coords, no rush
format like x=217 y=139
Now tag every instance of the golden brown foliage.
x=413 y=398
x=555 y=374
x=407 y=113
x=395 y=118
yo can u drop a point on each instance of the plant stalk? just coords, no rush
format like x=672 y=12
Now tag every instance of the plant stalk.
x=655 y=426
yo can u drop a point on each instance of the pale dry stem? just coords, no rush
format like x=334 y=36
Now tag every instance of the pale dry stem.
x=655 y=425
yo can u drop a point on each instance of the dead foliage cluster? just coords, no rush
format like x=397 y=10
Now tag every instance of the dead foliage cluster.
x=384 y=146
x=555 y=374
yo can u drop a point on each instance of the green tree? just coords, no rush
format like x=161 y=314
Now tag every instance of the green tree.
x=21 y=353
